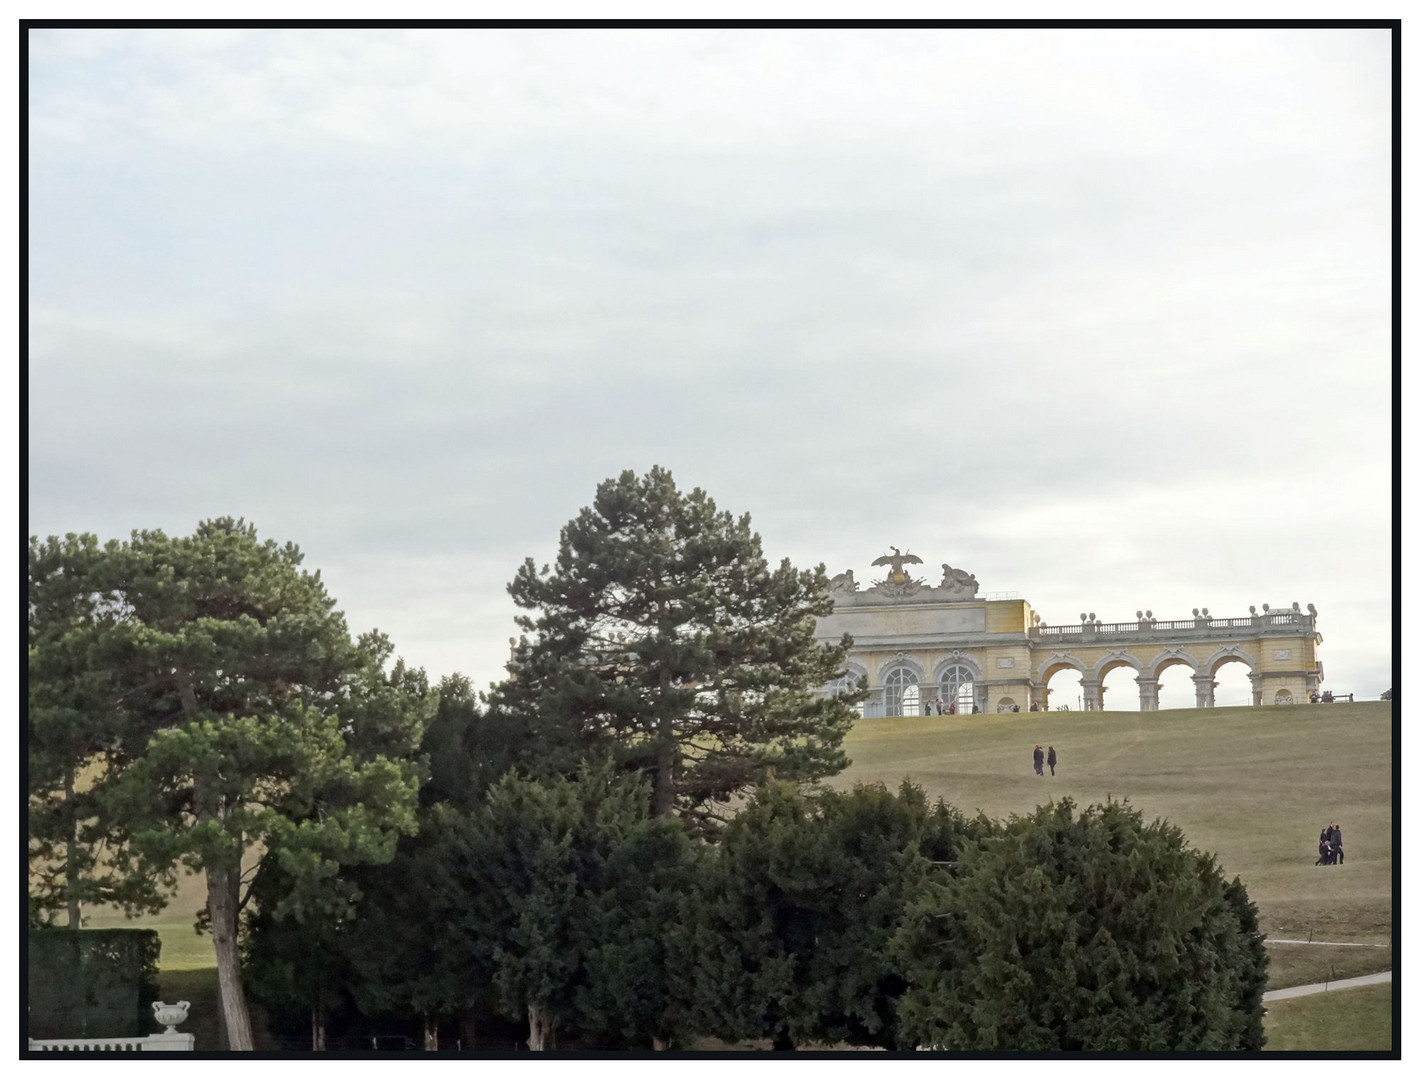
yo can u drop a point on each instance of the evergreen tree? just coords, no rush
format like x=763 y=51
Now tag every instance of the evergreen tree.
x=74 y=735
x=804 y=897
x=250 y=721
x=298 y=962
x=407 y=946
x=664 y=639
x=1083 y=932
x=390 y=940
x=571 y=889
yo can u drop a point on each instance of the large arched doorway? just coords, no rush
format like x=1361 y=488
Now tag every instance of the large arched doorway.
x=1176 y=686
x=901 y=693
x=1063 y=688
x=847 y=683
x=1232 y=685
x=958 y=687
x=1119 y=690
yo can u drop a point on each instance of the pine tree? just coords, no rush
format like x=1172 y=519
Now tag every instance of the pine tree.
x=75 y=733
x=249 y=720
x=664 y=639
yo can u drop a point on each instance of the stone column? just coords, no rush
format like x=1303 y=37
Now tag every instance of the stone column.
x=1092 y=694
x=1149 y=693
x=1204 y=691
x=1257 y=681
x=1039 y=696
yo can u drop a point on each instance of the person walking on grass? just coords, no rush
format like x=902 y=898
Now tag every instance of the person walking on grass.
x=1036 y=758
x=1334 y=837
x=1051 y=759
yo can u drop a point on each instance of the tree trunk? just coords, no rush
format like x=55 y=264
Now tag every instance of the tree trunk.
x=222 y=885
x=71 y=868
x=431 y=1033
x=664 y=791
x=539 y=1028
x=664 y=798
x=658 y=1043
x=318 y=1028
x=468 y=1028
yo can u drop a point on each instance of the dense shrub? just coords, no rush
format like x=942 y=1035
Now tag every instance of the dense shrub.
x=92 y=983
x=1089 y=931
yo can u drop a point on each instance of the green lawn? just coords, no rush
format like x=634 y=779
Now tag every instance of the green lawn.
x=1343 y=1020
x=1253 y=785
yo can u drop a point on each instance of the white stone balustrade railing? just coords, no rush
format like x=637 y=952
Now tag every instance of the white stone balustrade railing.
x=170 y=1039
x=1202 y=626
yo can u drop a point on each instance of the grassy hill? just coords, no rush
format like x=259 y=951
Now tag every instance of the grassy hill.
x=1254 y=785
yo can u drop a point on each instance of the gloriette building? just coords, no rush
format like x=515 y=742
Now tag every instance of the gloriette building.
x=915 y=643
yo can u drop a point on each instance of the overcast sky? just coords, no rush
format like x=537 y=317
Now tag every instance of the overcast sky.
x=1099 y=316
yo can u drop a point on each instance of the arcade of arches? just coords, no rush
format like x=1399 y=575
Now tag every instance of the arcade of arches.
x=920 y=648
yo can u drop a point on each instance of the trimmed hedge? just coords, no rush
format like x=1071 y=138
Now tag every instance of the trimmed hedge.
x=92 y=983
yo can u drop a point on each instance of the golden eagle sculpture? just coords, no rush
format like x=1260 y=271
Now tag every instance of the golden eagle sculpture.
x=896 y=574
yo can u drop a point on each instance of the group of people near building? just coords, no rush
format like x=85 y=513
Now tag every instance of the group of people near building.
x=938 y=707
x=1048 y=758
x=1329 y=846
x=1326 y=697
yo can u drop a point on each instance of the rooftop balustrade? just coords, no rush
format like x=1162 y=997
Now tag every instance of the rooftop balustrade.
x=1203 y=625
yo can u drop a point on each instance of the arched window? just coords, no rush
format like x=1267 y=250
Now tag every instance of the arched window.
x=900 y=693
x=846 y=684
x=957 y=686
x=1283 y=697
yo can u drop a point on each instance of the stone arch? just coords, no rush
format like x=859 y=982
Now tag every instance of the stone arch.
x=1283 y=697
x=1223 y=656
x=959 y=684
x=855 y=676
x=1169 y=658
x=963 y=661
x=854 y=671
x=1052 y=664
x=904 y=661
x=904 y=689
x=1115 y=660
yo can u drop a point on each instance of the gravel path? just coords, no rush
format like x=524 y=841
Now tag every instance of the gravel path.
x=1318 y=988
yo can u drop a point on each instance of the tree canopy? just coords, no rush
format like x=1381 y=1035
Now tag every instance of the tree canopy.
x=800 y=905
x=1090 y=931
x=241 y=715
x=663 y=639
x=573 y=891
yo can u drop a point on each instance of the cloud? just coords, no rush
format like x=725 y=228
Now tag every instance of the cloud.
x=1101 y=316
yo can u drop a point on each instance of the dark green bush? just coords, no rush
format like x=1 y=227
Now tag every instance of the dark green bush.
x=92 y=983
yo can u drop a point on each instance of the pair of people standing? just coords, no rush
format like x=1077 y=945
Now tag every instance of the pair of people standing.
x=1037 y=757
x=1329 y=846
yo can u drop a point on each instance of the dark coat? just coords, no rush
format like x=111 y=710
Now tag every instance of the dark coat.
x=1036 y=756
x=1051 y=757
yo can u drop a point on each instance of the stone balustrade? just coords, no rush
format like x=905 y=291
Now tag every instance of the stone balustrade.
x=170 y=1039
x=1201 y=627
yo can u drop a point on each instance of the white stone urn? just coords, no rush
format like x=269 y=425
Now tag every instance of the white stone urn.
x=170 y=1015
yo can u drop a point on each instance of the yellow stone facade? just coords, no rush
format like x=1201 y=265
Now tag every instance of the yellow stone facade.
x=915 y=644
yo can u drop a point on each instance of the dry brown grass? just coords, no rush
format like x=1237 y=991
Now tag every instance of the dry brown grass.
x=1253 y=785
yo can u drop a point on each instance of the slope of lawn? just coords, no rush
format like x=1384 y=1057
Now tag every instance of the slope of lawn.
x=1253 y=785
x=1354 y=1019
